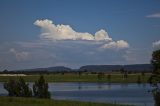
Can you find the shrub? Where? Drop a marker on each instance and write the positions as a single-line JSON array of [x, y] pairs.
[[18, 88], [40, 88]]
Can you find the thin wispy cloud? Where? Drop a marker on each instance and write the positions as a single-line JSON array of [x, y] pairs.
[[155, 15], [20, 56]]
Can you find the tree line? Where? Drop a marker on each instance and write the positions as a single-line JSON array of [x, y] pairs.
[[155, 77], [20, 88]]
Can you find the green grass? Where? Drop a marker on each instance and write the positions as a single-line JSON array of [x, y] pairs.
[[115, 78], [17, 101]]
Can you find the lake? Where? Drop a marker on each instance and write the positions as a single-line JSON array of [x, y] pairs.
[[132, 93]]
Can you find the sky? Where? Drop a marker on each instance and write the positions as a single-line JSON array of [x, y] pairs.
[[73, 33]]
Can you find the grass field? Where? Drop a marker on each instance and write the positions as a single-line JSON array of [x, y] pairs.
[[115, 78], [17, 101]]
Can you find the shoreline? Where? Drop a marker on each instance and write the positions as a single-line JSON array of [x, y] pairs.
[[91, 78], [13, 75]]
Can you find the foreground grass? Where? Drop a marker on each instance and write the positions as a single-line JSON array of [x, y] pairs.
[[115, 78], [17, 101]]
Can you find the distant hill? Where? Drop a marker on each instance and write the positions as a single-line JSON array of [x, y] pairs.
[[59, 68], [92, 68], [138, 67], [49, 69], [100, 67], [104, 68]]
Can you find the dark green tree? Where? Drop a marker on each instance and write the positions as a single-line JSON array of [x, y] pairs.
[[155, 77], [100, 75], [79, 73], [122, 70], [40, 88], [143, 73], [125, 74], [18, 88], [109, 77], [24, 89], [12, 87], [139, 81]]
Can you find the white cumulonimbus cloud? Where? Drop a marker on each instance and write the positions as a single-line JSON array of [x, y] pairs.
[[20, 56], [65, 32], [156, 45], [53, 32]]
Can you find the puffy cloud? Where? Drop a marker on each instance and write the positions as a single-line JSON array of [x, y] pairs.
[[51, 31], [121, 44], [102, 35], [20, 56], [156, 45], [109, 45], [84, 36], [156, 15]]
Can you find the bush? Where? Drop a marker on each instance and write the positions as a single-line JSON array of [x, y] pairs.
[[21, 89], [139, 80], [25, 91], [40, 88], [18, 88], [109, 77], [11, 87], [100, 75]]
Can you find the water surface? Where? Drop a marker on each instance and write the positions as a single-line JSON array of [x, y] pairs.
[[136, 94]]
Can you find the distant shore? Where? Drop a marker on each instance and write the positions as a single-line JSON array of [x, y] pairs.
[[13, 75], [114, 78]]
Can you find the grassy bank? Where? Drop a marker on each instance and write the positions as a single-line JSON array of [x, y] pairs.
[[115, 78], [17, 101]]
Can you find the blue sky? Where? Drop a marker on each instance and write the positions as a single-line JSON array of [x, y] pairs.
[[128, 32]]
